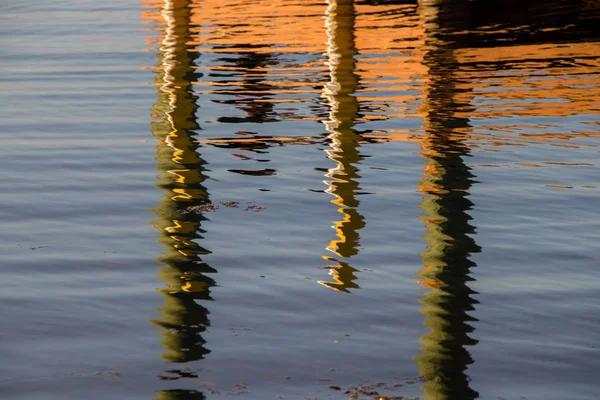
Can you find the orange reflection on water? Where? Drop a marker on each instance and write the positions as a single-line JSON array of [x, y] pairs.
[[359, 64], [180, 177], [342, 182]]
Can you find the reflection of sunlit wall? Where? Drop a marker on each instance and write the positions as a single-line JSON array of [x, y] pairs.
[[297, 26], [390, 41], [180, 177], [532, 63], [449, 246], [529, 86], [386, 35], [343, 109]]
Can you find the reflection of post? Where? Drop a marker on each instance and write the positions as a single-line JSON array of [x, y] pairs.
[[180, 177], [449, 246], [343, 179], [179, 394]]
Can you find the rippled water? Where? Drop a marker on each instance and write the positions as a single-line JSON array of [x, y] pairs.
[[299, 199]]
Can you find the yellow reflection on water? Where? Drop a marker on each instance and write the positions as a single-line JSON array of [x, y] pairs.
[[344, 141], [180, 168], [408, 69]]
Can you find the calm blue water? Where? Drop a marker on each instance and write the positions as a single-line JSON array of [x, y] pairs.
[[206, 199]]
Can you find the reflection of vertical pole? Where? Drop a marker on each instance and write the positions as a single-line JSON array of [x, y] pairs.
[[449, 246], [343, 110], [180, 177], [180, 395]]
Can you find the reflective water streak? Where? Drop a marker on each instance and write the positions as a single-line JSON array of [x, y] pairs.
[[181, 176], [343, 110], [449, 244]]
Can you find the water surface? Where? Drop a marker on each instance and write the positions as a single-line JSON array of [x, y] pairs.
[[207, 199]]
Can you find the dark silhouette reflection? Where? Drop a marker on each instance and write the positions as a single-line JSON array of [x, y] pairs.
[[446, 187], [492, 23], [344, 140], [242, 79], [252, 94], [259, 172], [464, 36], [181, 174]]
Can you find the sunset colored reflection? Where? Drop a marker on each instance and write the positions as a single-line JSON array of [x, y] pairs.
[[517, 79], [273, 199], [343, 109], [371, 73], [181, 174], [445, 190]]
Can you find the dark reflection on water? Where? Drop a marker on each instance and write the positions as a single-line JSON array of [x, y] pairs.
[[259, 172], [463, 23], [449, 239], [252, 93], [184, 317], [179, 395], [449, 26]]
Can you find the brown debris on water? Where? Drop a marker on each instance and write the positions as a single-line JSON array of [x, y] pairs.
[[231, 204], [377, 391], [201, 208], [237, 331], [254, 207], [238, 389], [33, 247], [209, 207]]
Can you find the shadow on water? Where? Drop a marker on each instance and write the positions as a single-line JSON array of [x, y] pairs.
[[344, 141], [184, 316], [446, 186]]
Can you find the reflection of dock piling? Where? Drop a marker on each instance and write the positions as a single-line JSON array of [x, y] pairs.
[[343, 110], [180, 395], [449, 246], [180, 176]]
